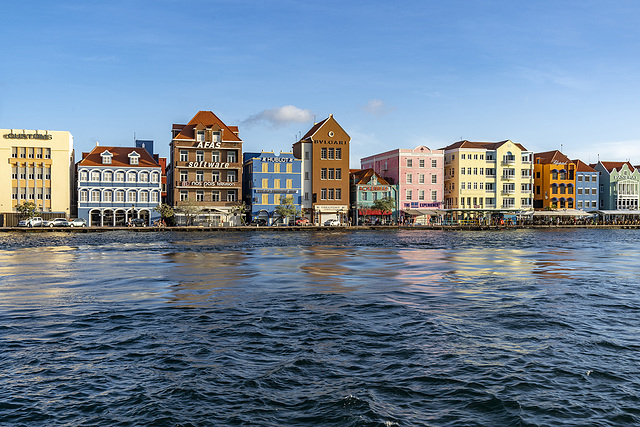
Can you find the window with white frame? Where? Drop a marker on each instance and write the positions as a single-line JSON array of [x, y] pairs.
[[155, 177], [200, 176], [434, 195], [199, 195], [184, 195], [131, 177], [231, 156], [120, 196], [144, 177], [83, 196], [215, 195], [434, 179], [154, 196], [108, 196], [95, 195], [232, 176], [231, 195], [199, 156], [132, 196], [184, 175], [215, 156], [108, 176], [409, 194], [119, 176], [144, 196], [184, 155], [95, 176]]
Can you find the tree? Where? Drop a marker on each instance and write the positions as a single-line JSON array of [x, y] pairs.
[[386, 204], [240, 209], [189, 209], [286, 208], [166, 213], [27, 209]]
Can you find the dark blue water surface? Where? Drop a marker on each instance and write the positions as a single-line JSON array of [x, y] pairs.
[[274, 328]]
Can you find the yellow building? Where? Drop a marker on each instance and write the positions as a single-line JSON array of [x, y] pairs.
[[483, 178], [39, 166]]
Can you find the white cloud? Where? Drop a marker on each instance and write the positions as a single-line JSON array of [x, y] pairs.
[[281, 116], [377, 107]]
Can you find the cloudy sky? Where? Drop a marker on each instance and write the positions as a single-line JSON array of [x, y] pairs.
[[548, 74]]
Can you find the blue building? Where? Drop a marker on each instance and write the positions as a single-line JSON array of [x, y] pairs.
[[268, 179], [587, 183], [116, 184]]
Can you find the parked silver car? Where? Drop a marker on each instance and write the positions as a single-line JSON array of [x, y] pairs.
[[57, 222], [78, 222]]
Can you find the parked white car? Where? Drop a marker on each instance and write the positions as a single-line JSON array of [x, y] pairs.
[[78, 222], [36, 221], [331, 222]]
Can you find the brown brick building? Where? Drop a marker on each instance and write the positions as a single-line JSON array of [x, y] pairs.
[[324, 151], [205, 171]]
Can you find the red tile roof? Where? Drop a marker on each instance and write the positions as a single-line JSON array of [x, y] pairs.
[[582, 166], [120, 157], [553, 156], [363, 176], [480, 145], [207, 119], [610, 166]]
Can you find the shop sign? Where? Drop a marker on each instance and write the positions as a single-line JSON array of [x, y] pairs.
[[374, 188], [204, 144], [324, 141], [203, 164], [27, 136], [207, 184], [277, 159]]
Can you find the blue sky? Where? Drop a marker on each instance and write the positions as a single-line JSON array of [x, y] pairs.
[[394, 74]]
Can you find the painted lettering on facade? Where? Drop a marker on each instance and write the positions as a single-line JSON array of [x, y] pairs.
[[324, 141], [207, 184], [204, 144], [277, 159], [203, 164], [27, 136]]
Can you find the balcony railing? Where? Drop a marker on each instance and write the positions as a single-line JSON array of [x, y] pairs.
[[508, 177], [508, 191], [508, 206], [508, 160], [490, 206]]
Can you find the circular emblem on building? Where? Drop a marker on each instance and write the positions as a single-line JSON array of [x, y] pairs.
[[331, 134]]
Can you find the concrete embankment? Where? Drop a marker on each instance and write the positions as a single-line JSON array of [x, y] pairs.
[[309, 228]]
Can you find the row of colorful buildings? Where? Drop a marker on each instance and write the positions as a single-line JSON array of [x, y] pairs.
[[209, 180]]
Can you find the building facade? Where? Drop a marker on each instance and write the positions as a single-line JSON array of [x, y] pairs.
[[618, 185], [37, 166], [116, 185], [554, 181], [487, 178], [587, 183], [324, 151], [418, 175], [147, 144], [205, 171], [267, 180], [367, 187]]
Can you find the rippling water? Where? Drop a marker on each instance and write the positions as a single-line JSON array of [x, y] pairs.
[[273, 328]]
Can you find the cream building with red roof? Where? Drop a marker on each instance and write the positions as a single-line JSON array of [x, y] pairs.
[[487, 178], [204, 176]]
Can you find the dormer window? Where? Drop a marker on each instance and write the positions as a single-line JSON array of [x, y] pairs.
[[134, 158], [200, 136], [215, 136], [106, 157]]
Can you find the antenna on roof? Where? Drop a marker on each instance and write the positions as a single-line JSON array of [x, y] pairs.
[[134, 136], [561, 147]]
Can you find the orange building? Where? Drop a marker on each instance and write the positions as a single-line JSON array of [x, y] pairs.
[[554, 181]]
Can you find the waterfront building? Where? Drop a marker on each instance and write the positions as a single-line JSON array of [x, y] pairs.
[[419, 176], [485, 180], [618, 185], [205, 171], [36, 166], [116, 185], [367, 187], [147, 144], [587, 183], [554, 181], [269, 178], [324, 151]]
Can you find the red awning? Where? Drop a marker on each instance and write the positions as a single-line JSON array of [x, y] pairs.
[[373, 212]]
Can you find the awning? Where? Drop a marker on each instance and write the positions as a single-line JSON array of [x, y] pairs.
[[421, 212], [617, 212], [563, 212], [373, 212]]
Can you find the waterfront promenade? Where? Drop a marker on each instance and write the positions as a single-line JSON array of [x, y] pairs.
[[452, 227]]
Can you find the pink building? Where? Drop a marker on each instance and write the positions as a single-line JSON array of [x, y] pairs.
[[418, 174]]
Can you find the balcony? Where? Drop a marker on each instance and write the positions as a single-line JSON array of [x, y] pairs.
[[508, 191], [490, 206], [508, 206], [508, 160], [508, 177]]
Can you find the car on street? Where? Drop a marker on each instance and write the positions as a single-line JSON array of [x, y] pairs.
[[302, 221], [57, 222], [35, 221], [138, 222], [78, 222], [331, 222], [258, 221]]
